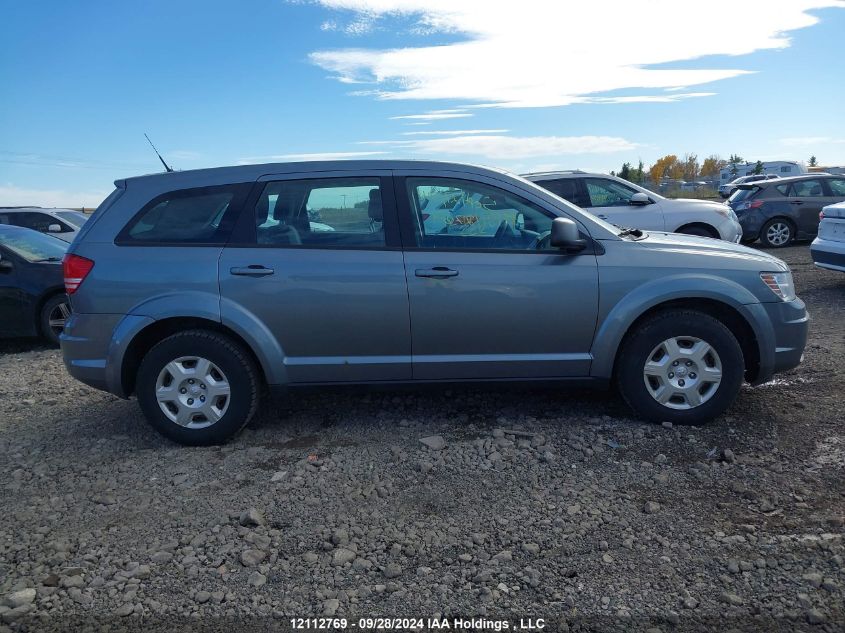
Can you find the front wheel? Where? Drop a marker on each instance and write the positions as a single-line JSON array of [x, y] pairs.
[[699, 231], [680, 366], [198, 387]]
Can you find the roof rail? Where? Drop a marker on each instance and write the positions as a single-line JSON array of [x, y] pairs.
[[555, 171]]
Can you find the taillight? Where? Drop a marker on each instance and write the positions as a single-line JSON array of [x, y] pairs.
[[75, 268], [821, 216], [754, 204]]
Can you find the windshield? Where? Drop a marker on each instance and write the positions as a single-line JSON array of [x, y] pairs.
[[32, 245], [743, 194], [74, 217]]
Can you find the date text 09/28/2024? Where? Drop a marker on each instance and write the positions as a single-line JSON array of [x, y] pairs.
[[404, 624]]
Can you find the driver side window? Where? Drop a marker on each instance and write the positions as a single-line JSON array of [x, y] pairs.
[[608, 193], [461, 214]]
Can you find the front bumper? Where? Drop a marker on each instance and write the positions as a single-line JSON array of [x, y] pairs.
[[751, 224], [730, 231], [828, 254], [790, 324]]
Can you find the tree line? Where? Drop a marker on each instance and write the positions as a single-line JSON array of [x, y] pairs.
[[688, 168]]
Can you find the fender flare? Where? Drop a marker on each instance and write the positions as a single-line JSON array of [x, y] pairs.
[[690, 286]]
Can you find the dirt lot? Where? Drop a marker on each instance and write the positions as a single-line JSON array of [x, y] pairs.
[[330, 504]]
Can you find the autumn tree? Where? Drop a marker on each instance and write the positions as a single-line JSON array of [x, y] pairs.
[[711, 166], [664, 168], [690, 167]]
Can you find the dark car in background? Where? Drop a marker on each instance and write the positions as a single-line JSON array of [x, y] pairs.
[[32, 292], [779, 211], [61, 223]]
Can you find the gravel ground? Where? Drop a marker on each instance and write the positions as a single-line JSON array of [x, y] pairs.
[[440, 504]]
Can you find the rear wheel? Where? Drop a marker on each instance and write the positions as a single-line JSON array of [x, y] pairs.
[[198, 387], [680, 366], [777, 233], [54, 313]]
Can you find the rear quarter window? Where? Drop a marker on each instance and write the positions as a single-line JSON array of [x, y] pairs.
[[204, 215]]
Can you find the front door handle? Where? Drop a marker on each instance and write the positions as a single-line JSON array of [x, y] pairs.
[[795, 202], [254, 270], [438, 272]]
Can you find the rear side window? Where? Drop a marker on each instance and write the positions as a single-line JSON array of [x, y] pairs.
[[566, 188], [807, 189], [322, 212], [837, 186], [189, 216]]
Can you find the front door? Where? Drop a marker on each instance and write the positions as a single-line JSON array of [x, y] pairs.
[[488, 299], [322, 270], [610, 200], [11, 297]]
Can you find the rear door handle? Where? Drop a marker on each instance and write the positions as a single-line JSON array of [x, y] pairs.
[[438, 272], [254, 270], [795, 202]]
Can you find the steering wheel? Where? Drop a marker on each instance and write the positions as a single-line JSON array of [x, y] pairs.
[[541, 241]]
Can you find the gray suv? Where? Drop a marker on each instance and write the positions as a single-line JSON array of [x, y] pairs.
[[194, 290]]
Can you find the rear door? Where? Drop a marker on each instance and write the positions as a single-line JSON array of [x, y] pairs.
[[319, 264], [611, 200], [486, 299], [807, 197], [11, 296]]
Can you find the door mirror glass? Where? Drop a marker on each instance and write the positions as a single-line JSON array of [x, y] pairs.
[[54, 228], [565, 235], [639, 199]]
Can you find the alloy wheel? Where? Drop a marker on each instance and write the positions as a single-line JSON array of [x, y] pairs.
[[778, 233], [58, 316]]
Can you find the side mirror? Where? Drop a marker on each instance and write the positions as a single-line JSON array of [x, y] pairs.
[[5, 264], [54, 228], [639, 199], [565, 235]]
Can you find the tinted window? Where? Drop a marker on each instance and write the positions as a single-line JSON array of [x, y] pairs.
[[785, 169], [73, 217], [461, 214], [743, 194], [38, 221], [837, 186], [566, 188], [608, 193], [783, 189], [193, 216], [807, 188], [331, 212]]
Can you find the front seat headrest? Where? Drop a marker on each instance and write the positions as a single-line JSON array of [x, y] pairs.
[[374, 209]]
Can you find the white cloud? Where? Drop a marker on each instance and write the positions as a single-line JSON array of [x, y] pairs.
[[452, 132], [280, 158], [499, 147], [552, 53], [11, 196], [434, 115]]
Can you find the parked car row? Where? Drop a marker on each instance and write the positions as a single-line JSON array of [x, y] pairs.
[[828, 249], [185, 295], [61, 223], [728, 188], [32, 290]]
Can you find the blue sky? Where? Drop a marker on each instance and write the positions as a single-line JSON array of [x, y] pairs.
[[530, 85]]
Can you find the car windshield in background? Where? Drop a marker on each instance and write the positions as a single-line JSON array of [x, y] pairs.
[[33, 246], [743, 193], [74, 217]]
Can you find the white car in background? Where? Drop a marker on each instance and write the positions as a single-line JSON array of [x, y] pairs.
[[828, 249], [625, 204], [61, 223], [729, 187]]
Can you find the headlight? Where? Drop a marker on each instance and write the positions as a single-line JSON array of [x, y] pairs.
[[781, 284]]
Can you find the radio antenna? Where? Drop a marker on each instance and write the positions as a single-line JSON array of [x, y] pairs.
[[166, 166]]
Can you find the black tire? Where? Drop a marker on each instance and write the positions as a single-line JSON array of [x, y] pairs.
[[232, 360], [748, 241], [772, 225], [640, 343], [699, 230], [51, 320]]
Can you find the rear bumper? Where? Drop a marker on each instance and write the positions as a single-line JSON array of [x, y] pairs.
[[751, 224], [790, 323], [93, 346], [828, 254]]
